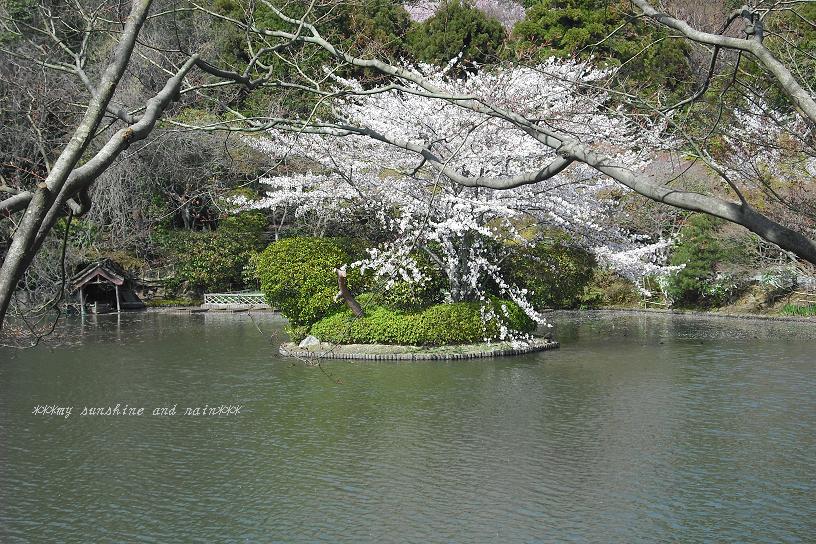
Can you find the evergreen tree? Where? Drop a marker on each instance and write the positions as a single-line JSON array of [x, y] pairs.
[[603, 29], [458, 28]]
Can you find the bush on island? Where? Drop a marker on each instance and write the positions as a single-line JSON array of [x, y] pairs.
[[297, 276], [441, 324]]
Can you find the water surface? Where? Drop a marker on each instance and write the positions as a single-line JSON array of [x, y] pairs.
[[641, 428]]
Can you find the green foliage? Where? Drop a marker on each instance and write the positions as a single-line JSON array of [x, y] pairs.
[[609, 289], [245, 224], [367, 28], [698, 250], [214, 260], [808, 310], [22, 11], [83, 234], [603, 29], [297, 276], [412, 296], [296, 332], [375, 27], [457, 26], [554, 273], [442, 324]]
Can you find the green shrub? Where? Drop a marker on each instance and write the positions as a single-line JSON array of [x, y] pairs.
[[368, 28], [442, 324], [605, 31], [554, 273], [297, 276], [296, 332], [83, 234], [408, 296]]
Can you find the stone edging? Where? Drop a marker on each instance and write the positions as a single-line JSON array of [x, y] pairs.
[[330, 351]]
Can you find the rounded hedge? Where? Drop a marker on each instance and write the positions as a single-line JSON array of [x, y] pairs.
[[442, 324], [297, 277]]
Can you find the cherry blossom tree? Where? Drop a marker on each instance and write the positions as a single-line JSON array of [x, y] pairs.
[[422, 167], [573, 143]]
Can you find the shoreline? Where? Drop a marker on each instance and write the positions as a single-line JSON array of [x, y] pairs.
[[607, 309], [199, 310], [697, 313]]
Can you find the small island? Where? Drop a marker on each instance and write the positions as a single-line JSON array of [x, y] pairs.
[[430, 312]]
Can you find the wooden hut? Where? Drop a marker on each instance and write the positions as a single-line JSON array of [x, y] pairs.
[[105, 286]]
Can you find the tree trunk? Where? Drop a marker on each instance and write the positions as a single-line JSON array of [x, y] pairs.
[[346, 295], [67, 184]]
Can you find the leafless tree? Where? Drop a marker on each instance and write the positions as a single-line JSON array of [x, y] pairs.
[[111, 117], [737, 209]]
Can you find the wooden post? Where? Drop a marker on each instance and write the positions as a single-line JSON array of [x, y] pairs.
[[82, 300], [118, 308]]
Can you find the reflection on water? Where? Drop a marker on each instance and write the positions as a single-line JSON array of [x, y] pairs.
[[642, 428]]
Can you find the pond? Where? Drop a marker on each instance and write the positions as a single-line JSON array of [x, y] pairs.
[[641, 428]]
